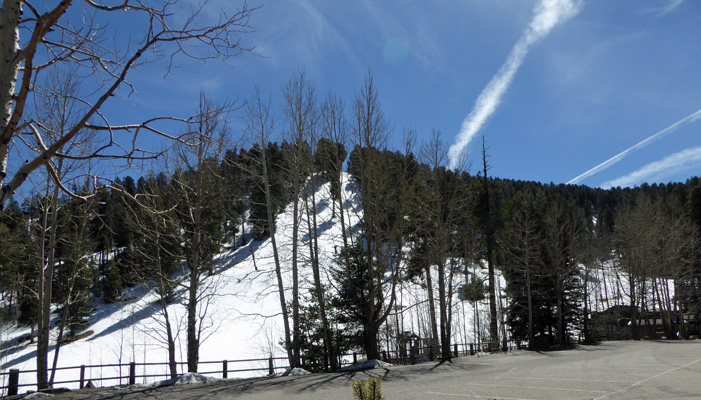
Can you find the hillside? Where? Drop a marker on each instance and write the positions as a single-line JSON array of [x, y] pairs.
[[244, 315], [243, 319]]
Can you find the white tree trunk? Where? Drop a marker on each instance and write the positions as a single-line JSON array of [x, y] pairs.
[[10, 16]]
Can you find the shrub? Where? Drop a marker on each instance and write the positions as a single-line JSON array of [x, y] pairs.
[[370, 390]]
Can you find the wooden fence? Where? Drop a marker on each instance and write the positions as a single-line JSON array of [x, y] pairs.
[[127, 372]]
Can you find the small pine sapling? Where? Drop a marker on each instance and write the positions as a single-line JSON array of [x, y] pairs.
[[374, 390], [359, 390], [370, 390]]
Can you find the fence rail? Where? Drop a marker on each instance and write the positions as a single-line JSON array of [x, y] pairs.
[[410, 356]]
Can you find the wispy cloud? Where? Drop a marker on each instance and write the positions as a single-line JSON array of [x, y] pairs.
[[618, 157], [548, 13], [672, 5], [669, 7], [280, 40], [689, 159]]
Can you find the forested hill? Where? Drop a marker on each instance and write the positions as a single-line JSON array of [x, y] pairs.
[[604, 205], [402, 220]]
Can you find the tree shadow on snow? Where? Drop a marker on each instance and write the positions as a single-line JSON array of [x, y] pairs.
[[234, 257], [134, 317]]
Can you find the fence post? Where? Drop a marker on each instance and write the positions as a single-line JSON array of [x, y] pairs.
[[13, 384], [225, 373], [82, 376], [472, 349], [384, 355], [132, 373], [430, 353], [456, 349], [355, 358], [271, 368]]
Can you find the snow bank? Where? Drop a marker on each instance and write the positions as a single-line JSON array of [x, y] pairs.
[[370, 364], [293, 372], [37, 395], [184, 379]]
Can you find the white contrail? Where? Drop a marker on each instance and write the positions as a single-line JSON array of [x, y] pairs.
[[658, 170], [618, 157], [548, 13]]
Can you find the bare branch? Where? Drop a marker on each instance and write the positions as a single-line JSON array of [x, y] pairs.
[[52, 42]]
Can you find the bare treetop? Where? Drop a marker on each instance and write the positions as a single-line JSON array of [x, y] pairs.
[[103, 42]]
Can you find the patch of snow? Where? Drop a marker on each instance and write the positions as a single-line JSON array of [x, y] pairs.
[[293, 372], [190, 377], [184, 379], [370, 364], [38, 395]]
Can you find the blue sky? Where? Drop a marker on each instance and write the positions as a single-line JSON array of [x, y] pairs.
[[579, 82]]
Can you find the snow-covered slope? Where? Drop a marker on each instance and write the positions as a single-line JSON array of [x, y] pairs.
[[242, 320]]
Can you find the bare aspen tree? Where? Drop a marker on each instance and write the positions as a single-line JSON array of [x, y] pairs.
[[329, 155], [78, 268], [655, 240], [165, 285], [633, 246], [58, 110], [159, 245], [310, 202], [74, 34], [424, 218], [301, 113], [49, 225], [334, 128], [198, 189], [382, 250], [440, 213], [260, 127], [677, 255], [434, 153]]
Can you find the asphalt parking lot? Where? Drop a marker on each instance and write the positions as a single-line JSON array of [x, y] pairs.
[[610, 370]]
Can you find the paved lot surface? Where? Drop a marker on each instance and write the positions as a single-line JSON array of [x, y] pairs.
[[611, 370]]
